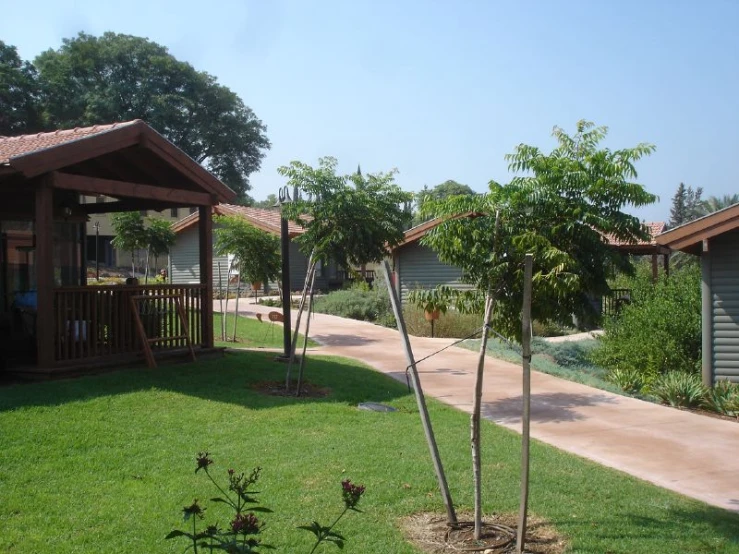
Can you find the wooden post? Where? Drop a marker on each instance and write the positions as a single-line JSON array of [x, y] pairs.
[[666, 261], [286, 297], [205, 231], [451, 516], [706, 316], [655, 268], [43, 227], [526, 420]]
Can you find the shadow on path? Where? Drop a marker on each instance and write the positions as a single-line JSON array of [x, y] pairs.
[[556, 407]]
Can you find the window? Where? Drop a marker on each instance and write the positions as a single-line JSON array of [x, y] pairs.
[[173, 212], [99, 199], [193, 210]]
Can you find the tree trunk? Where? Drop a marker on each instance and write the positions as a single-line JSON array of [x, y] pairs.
[[225, 314], [475, 418], [451, 516], [294, 345], [238, 295], [146, 269], [133, 264], [526, 419], [305, 337]]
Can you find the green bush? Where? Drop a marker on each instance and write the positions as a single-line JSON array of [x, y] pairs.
[[359, 302], [631, 381], [723, 398], [570, 354], [452, 324], [660, 331], [679, 389]]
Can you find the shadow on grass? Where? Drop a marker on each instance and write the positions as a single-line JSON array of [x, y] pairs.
[[553, 407], [227, 379]]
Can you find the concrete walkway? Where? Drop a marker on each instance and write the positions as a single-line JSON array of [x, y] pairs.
[[694, 455]]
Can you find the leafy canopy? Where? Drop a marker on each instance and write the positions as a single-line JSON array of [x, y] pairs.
[[559, 207], [19, 111], [350, 219], [256, 252], [115, 77]]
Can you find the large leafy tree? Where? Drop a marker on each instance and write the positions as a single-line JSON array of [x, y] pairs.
[[117, 77], [19, 94], [560, 207], [441, 191], [130, 234]]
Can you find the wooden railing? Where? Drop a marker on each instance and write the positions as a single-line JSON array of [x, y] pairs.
[[613, 303], [98, 321], [368, 275]]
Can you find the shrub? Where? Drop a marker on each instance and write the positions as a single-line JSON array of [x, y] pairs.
[[679, 389], [359, 302], [567, 354], [631, 381], [550, 329], [660, 328], [723, 398], [452, 324]]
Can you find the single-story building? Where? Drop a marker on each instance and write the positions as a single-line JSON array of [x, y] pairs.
[[715, 238], [183, 256], [50, 319], [417, 266]]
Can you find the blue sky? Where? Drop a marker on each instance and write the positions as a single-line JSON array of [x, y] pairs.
[[443, 90]]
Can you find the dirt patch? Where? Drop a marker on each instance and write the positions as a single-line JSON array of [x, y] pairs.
[[277, 388], [430, 533]]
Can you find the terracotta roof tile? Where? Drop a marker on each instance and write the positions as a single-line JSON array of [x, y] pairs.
[[267, 220], [11, 147], [654, 229]]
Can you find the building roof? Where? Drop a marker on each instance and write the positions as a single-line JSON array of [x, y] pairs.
[[641, 247], [12, 147], [266, 220], [689, 237], [130, 152]]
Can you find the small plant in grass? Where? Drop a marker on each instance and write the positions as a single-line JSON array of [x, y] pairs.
[[679, 389], [241, 534], [723, 398]]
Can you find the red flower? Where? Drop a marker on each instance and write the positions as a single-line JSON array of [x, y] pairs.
[[245, 524], [351, 493]]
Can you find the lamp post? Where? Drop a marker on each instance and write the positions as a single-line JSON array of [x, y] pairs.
[[284, 198], [97, 250]]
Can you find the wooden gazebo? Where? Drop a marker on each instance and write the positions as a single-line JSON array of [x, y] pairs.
[[43, 178]]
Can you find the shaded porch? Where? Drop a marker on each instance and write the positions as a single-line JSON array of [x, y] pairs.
[[60, 319]]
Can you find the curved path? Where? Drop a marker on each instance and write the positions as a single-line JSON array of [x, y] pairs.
[[694, 455]]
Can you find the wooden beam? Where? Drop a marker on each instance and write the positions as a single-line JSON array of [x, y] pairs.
[[205, 235], [122, 189], [44, 223]]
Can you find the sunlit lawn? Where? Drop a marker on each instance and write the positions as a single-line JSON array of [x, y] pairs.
[[251, 333], [104, 464]]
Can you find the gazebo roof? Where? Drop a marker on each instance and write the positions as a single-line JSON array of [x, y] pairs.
[[129, 161]]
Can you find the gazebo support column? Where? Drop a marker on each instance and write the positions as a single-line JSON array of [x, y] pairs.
[[706, 316], [205, 232], [44, 229]]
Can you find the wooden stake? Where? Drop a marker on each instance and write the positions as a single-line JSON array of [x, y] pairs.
[[294, 346], [451, 516], [526, 423], [305, 337], [238, 295], [220, 295]]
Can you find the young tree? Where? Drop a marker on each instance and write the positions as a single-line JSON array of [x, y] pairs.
[[159, 239], [686, 205], [130, 234], [256, 253], [559, 208], [118, 77]]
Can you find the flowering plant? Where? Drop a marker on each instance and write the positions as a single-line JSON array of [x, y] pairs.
[[241, 534]]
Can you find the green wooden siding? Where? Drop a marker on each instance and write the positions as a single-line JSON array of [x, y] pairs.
[[418, 266], [725, 306]]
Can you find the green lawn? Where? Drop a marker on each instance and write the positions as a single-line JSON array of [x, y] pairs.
[[106, 463], [251, 333]]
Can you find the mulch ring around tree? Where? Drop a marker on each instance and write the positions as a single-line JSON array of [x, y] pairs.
[[277, 388], [430, 533]]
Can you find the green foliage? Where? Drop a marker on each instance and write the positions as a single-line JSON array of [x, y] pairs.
[[432, 300], [116, 77], [256, 252], [130, 234], [159, 236], [716, 203], [359, 302], [631, 381], [269, 202], [19, 94], [723, 398], [349, 219], [686, 205], [679, 389], [453, 324], [442, 191], [660, 331], [558, 209]]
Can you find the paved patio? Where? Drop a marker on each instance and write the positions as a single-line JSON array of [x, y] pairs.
[[694, 455]]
